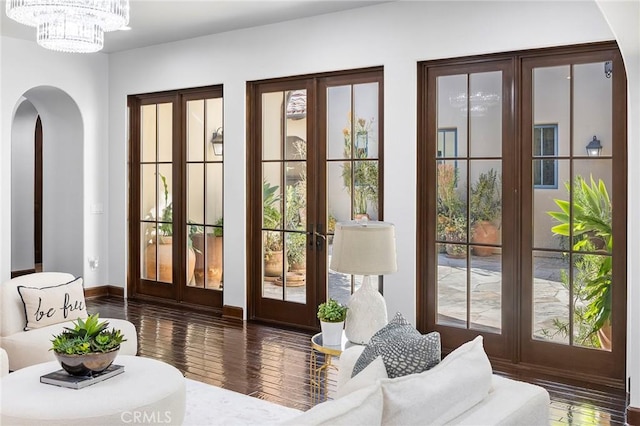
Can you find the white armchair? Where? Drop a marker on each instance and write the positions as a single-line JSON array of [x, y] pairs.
[[25, 348]]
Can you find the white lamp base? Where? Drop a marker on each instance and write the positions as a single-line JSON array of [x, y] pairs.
[[366, 315]]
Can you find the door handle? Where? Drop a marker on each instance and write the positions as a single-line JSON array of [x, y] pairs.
[[316, 238], [320, 238]]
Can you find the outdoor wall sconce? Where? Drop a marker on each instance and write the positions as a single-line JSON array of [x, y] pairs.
[[594, 148], [608, 69], [217, 141]]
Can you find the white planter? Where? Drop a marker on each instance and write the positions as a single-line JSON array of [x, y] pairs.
[[331, 333]]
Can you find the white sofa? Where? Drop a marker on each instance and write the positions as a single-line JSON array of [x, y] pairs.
[[25, 348], [461, 390], [4, 363]]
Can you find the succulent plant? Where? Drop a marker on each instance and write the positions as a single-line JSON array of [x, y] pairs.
[[87, 336]]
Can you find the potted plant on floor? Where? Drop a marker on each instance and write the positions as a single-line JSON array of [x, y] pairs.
[[332, 315], [272, 219], [451, 225], [592, 233], [363, 185], [485, 205], [209, 265], [87, 348], [159, 240]]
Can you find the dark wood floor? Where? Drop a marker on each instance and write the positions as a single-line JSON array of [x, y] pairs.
[[273, 364]]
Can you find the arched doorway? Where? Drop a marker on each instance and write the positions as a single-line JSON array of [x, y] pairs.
[[62, 181]]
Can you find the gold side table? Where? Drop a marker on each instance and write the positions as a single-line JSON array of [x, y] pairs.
[[319, 372]]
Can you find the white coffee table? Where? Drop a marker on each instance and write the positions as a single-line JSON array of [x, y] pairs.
[[148, 392]]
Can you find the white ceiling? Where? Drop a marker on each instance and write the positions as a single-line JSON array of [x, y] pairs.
[[162, 21]]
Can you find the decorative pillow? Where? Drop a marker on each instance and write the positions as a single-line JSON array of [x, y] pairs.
[[439, 395], [369, 376], [362, 407], [403, 349], [52, 305]]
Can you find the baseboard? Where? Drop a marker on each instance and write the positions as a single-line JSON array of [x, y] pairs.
[[568, 377], [232, 312], [633, 416], [105, 290], [22, 272]]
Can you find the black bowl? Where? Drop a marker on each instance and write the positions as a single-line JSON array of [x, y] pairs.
[[86, 364]]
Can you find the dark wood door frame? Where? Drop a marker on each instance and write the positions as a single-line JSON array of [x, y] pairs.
[[37, 205], [281, 312], [137, 287], [515, 358]]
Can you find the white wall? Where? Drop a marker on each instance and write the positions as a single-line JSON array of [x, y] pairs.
[[83, 78], [624, 19], [22, 183], [62, 180], [395, 35]]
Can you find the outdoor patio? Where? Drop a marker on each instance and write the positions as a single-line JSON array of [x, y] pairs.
[[551, 298]]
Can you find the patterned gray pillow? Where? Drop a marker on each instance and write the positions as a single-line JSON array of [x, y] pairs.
[[403, 349]]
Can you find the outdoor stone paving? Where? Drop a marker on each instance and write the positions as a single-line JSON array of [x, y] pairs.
[[551, 297]]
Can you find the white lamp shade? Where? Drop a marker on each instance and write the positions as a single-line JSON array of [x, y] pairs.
[[364, 248]]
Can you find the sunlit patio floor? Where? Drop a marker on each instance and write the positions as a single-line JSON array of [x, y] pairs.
[[551, 298]]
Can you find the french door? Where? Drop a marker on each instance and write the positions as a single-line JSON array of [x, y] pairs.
[[522, 195], [176, 226], [315, 145]]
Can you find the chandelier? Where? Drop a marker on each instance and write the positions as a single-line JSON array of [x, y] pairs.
[[76, 26], [477, 103]]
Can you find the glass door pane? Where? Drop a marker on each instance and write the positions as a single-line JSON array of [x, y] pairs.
[[572, 206], [468, 165], [156, 204], [352, 168], [284, 195], [204, 170]]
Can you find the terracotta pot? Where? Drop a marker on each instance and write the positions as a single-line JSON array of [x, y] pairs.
[[604, 336], [86, 364], [164, 252], [273, 264], [484, 232], [213, 262]]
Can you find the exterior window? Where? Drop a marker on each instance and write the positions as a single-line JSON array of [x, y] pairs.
[[545, 144], [447, 143], [448, 149]]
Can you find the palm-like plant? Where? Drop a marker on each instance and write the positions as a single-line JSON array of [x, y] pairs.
[[591, 231]]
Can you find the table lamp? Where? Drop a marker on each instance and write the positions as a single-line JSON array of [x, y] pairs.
[[364, 248]]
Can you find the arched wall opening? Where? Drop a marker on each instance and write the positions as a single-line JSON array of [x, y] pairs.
[[62, 181]]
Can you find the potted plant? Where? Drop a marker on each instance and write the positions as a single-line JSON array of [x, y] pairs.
[[332, 315], [485, 205], [456, 232], [364, 186], [451, 225], [295, 203], [592, 233], [88, 347], [161, 248], [210, 244], [272, 219]]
